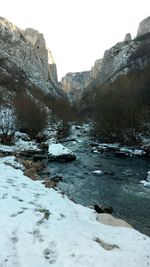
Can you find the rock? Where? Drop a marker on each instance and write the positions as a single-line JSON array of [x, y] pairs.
[[103, 209], [25, 60], [38, 157], [74, 83], [56, 179], [127, 37], [146, 148], [119, 60], [144, 27], [107, 209], [122, 154], [97, 172], [44, 146], [98, 209], [29, 153], [57, 152], [148, 177], [111, 220]]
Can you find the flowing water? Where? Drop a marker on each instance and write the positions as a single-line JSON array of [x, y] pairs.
[[118, 186]]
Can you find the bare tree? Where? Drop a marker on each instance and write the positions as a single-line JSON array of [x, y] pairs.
[[32, 116], [7, 125]]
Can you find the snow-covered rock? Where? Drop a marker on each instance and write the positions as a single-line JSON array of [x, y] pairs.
[[20, 145], [40, 227], [58, 152], [148, 176], [147, 181]]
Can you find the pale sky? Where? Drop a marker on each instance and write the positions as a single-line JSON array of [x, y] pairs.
[[77, 31]]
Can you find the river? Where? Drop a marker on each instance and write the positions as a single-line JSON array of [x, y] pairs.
[[118, 186]]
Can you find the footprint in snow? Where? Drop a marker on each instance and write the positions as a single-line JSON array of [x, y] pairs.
[[50, 253]]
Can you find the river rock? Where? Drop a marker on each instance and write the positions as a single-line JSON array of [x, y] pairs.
[[122, 154], [148, 177], [58, 152], [103, 209], [111, 220], [97, 172]]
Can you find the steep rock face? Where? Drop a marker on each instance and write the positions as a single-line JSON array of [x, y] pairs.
[[144, 27], [95, 71], [26, 49], [130, 54], [73, 84]]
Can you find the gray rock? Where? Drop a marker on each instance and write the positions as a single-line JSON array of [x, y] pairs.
[[125, 56], [74, 83], [144, 27], [128, 37], [25, 51]]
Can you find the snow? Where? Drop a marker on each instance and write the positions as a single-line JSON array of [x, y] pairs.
[[109, 145], [148, 176], [132, 151], [145, 183], [26, 145], [20, 145], [58, 150], [41, 227]]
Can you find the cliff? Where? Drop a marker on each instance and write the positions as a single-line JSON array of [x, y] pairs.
[[118, 60], [74, 83], [25, 52]]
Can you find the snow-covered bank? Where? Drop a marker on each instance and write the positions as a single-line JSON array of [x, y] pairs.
[[40, 226]]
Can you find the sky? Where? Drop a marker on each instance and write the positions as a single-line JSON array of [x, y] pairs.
[[77, 31]]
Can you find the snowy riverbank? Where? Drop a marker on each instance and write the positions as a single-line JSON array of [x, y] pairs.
[[40, 226]]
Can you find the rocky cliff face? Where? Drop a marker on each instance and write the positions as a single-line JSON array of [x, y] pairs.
[[26, 50], [144, 27], [118, 60], [74, 83]]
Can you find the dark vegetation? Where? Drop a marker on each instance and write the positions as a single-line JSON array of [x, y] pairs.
[[121, 109], [31, 115], [34, 109]]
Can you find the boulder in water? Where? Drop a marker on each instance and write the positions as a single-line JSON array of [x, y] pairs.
[[58, 152]]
